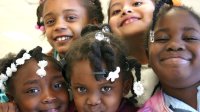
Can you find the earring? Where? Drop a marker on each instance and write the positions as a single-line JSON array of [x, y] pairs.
[[151, 36]]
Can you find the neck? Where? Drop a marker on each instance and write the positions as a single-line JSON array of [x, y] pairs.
[[187, 95], [136, 48]]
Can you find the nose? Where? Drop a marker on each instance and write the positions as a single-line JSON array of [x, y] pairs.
[[48, 97], [127, 10], [61, 24], [94, 99], [176, 45]]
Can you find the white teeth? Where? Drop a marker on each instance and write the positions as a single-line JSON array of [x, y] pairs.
[[62, 38]]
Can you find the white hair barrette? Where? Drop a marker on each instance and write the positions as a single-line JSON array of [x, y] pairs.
[[138, 88], [41, 71], [113, 75], [100, 36]]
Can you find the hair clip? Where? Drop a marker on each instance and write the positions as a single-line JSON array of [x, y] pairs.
[[106, 29], [21, 61], [41, 28], [113, 75], [11, 69], [138, 88], [41, 1], [41, 71], [151, 35], [100, 36], [91, 2]]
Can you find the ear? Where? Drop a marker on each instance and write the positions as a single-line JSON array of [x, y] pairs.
[[127, 86]]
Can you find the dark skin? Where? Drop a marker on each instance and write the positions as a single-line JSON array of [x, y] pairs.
[[42, 94], [175, 55]]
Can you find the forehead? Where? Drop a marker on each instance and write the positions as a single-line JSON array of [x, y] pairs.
[[60, 5], [176, 18], [82, 74], [28, 71]]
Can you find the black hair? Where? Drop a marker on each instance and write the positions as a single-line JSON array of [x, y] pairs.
[[93, 7], [111, 51], [162, 7], [35, 53]]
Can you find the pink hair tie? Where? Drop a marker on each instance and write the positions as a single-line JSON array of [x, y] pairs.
[[41, 28]]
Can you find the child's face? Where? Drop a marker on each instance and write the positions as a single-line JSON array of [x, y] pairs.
[[130, 17], [63, 20], [91, 95], [33, 94], [175, 54]]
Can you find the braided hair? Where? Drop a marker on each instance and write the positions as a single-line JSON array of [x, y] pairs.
[[112, 53], [93, 7], [35, 53]]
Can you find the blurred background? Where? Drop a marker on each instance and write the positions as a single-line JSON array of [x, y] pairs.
[[18, 20]]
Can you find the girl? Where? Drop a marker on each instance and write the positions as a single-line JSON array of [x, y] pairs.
[[174, 55], [34, 82], [130, 19], [99, 72], [63, 20]]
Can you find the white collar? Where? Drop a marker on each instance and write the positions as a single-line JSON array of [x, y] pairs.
[[169, 100]]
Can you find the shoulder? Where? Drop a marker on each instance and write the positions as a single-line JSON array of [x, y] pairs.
[[127, 106], [155, 103]]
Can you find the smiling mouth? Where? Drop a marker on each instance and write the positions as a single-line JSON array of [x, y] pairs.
[[129, 20], [50, 110], [176, 61], [62, 38]]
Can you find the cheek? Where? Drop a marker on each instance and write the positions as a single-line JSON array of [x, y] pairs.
[[30, 104]]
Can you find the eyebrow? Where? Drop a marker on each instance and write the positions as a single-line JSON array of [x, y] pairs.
[[30, 82], [189, 29], [66, 10], [162, 30], [114, 4], [184, 29], [58, 77]]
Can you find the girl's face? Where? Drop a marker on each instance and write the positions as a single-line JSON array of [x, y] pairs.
[[32, 93], [63, 21], [175, 54], [130, 17], [91, 95]]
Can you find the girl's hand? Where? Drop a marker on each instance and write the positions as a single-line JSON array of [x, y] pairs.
[[8, 107]]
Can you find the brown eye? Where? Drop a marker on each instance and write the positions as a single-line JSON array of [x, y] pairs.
[[49, 22], [32, 91], [106, 89], [115, 12], [136, 4], [81, 90], [71, 18]]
